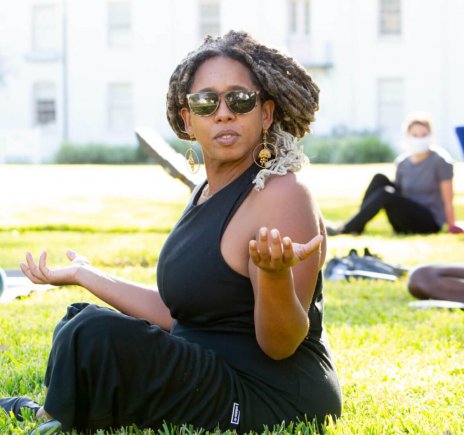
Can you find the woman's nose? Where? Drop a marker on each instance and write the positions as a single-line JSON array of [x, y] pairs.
[[223, 112]]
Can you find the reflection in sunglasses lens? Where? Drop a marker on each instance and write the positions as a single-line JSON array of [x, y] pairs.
[[241, 102], [206, 103]]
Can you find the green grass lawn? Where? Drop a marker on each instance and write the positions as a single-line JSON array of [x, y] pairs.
[[401, 370]]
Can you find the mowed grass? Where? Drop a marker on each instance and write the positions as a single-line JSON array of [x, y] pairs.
[[401, 370]]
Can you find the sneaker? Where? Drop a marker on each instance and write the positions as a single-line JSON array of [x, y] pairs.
[[332, 230], [15, 404], [48, 428]]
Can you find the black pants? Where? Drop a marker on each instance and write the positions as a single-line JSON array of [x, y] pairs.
[[404, 215]]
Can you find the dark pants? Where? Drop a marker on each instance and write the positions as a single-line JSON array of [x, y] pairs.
[[404, 215]]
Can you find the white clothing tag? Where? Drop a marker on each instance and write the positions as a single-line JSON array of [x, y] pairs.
[[235, 418]]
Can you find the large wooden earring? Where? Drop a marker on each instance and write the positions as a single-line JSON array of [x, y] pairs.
[[191, 157], [267, 151]]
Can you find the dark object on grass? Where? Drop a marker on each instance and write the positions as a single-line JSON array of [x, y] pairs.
[[368, 266], [16, 404], [48, 428]]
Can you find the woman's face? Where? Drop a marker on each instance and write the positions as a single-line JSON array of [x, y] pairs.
[[226, 136], [418, 140], [418, 130]]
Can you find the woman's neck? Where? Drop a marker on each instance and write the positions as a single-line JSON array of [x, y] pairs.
[[416, 158], [219, 176]]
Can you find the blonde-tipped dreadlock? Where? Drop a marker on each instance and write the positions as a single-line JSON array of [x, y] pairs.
[[278, 77]]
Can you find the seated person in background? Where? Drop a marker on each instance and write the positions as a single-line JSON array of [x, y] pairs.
[[420, 201], [435, 281]]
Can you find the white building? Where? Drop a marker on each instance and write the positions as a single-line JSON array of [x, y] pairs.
[[90, 71]]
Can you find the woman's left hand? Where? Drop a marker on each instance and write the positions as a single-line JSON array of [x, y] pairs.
[[274, 253]]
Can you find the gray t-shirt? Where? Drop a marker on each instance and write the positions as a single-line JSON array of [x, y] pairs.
[[421, 181]]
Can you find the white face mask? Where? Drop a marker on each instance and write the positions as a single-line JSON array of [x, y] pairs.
[[417, 145]]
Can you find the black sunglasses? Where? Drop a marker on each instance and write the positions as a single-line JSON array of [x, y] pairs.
[[206, 103]]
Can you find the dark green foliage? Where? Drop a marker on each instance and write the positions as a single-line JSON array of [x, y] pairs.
[[362, 148], [101, 154]]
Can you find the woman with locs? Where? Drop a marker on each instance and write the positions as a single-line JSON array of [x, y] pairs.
[[232, 338]]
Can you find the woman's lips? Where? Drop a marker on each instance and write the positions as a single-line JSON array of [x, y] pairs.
[[226, 137]]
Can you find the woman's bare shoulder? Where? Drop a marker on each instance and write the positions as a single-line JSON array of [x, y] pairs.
[[282, 190], [285, 203]]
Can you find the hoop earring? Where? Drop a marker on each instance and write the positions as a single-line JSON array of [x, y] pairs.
[[267, 152], [191, 157]]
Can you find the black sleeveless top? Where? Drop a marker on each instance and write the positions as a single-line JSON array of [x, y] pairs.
[[213, 304]]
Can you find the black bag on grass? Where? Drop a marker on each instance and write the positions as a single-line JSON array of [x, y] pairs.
[[367, 266]]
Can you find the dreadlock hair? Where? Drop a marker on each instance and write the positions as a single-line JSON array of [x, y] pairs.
[[278, 76]]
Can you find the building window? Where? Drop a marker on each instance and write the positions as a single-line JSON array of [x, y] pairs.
[[44, 103], [292, 17], [210, 18], [306, 16], [299, 17], [390, 17], [120, 107], [44, 28], [119, 24], [390, 107]]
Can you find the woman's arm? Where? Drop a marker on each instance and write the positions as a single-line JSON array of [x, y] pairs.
[[284, 270], [134, 299], [446, 189]]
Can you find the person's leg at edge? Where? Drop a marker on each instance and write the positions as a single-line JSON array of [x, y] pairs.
[[445, 282]]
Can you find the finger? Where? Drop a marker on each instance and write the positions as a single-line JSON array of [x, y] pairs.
[[276, 245], [27, 272], [31, 264], [42, 259], [33, 269], [263, 245], [253, 251], [23, 267], [43, 266], [288, 254], [75, 257], [311, 247], [30, 260]]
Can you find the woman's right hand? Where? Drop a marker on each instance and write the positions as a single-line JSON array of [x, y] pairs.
[[41, 274]]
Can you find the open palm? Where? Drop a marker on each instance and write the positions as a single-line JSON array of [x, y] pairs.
[[273, 253], [40, 273]]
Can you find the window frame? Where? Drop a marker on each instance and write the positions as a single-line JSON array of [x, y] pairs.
[[41, 27], [212, 21], [390, 18], [43, 115], [117, 27], [115, 104]]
